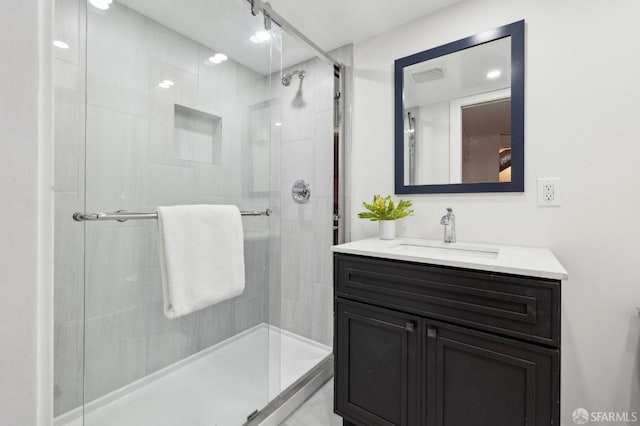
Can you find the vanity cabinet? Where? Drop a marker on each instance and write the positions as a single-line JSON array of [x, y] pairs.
[[421, 344]]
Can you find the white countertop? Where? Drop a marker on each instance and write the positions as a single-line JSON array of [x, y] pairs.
[[528, 261]]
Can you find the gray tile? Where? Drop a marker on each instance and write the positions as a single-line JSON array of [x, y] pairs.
[[67, 140], [321, 329], [256, 266], [322, 240], [323, 154], [214, 324], [116, 147], [67, 82], [68, 259], [156, 322], [68, 367], [162, 109], [344, 54], [316, 411], [218, 84], [117, 261], [171, 185], [170, 340], [172, 48], [249, 312], [66, 28], [112, 367], [296, 318], [298, 260], [324, 86], [110, 329], [117, 60]]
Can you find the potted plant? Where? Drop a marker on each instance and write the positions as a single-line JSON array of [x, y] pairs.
[[386, 212]]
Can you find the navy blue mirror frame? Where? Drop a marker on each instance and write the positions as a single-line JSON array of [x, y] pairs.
[[516, 32]]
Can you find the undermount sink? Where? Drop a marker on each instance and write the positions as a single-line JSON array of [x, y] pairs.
[[450, 249]]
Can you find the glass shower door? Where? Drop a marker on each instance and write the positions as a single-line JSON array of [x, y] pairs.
[[178, 111]]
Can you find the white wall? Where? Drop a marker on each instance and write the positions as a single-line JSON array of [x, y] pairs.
[[25, 216], [582, 82]]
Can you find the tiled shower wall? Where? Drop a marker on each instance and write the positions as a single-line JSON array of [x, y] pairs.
[[133, 164], [306, 152], [69, 189]]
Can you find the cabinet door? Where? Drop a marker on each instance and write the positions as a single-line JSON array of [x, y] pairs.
[[377, 365], [473, 378]]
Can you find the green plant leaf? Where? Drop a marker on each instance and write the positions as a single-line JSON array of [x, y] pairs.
[[385, 209]]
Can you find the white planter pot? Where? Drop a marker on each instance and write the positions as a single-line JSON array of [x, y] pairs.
[[387, 229]]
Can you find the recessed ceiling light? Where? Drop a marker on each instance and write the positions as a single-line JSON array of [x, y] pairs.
[[260, 37], [166, 84], [494, 74], [278, 124], [60, 44], [101, 4], [218, 58]]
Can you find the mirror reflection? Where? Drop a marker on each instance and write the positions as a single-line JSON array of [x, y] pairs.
[[457, 117]]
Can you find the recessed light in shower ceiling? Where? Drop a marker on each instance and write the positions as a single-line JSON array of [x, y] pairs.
[[218, 58], [260, 37], [101, 4]]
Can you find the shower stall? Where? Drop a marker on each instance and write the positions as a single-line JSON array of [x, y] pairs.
[[178, 102]]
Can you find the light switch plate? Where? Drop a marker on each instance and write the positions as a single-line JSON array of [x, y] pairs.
[[549, 192]]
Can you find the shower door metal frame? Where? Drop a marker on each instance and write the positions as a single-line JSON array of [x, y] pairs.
[[280, 408], [271, 16]]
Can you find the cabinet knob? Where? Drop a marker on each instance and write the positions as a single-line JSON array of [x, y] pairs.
[[410, 326], [432, 332]]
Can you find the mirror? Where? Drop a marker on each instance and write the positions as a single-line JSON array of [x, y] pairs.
[[459, 115]]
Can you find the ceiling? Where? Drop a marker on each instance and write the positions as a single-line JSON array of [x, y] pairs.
[[464, 73], [333, 23], [226, 25], [488, 119]]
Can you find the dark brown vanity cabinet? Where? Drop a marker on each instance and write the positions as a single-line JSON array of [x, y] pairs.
[[455, 353]]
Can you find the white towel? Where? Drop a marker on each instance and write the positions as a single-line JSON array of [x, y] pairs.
[[201, 256]]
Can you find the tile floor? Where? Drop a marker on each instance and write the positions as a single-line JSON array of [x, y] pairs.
[[316, 411]]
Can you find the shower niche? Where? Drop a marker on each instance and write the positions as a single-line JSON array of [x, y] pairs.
[[197, 135]]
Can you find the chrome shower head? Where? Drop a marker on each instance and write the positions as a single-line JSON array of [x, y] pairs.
[[286, 79]]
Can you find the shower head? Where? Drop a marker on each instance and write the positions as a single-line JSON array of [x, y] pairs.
[[286, 79]]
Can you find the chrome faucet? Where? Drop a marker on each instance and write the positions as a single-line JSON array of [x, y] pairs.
[[449, 222]]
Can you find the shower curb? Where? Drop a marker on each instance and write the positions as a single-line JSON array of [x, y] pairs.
[[295, 395]]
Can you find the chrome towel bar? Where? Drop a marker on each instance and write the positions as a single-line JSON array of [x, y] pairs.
[[123, 215]]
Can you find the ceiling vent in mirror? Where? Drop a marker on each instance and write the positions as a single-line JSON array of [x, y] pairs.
[[426, 76]]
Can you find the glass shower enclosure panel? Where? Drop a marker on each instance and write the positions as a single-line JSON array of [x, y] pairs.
[[179, 111]]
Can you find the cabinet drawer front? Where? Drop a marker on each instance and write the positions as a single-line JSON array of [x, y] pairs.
[[377, 365], [524, 307]]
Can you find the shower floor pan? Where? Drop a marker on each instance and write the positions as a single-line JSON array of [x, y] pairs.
[[219, 386]]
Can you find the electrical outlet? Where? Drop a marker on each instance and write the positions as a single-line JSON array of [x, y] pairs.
[[548, 192]]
